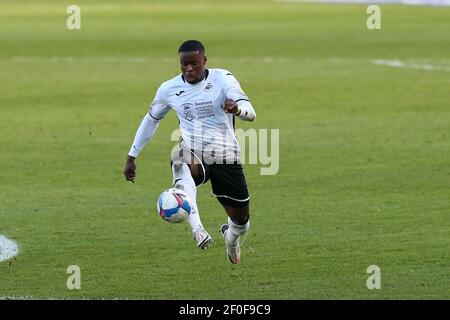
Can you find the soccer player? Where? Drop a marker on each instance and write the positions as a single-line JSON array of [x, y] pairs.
[[206, 102]]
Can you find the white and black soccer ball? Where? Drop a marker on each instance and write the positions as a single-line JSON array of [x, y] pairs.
[[174, 205]]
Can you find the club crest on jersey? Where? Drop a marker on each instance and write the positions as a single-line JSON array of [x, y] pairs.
[[187, 107], [208, 87]]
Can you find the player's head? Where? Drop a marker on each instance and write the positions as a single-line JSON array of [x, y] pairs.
[[192, 60]]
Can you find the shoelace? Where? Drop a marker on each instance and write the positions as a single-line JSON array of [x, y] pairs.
[[245, 238]]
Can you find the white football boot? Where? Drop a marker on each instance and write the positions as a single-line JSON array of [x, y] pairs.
[[202, 238], [233, 250]]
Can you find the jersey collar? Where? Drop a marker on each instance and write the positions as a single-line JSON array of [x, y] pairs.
[[206, 77]]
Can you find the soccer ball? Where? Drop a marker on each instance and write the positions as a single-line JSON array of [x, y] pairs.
[[174, 205]]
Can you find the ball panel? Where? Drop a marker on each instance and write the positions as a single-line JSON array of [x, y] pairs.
[[186, 206]]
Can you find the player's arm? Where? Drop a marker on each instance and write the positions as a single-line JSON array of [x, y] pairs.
[[143, 135], [240, 108], [145, 132], [237, 101]]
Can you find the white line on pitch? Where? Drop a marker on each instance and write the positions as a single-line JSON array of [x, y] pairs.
[[365, 2], [421, 66]]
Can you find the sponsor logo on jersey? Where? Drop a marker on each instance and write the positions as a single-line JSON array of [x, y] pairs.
[[187, 108], [204, 109], [208, 87], [178, 93]]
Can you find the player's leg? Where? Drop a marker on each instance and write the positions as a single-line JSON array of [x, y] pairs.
[[187, 174], [230, 188], [239, 215], [238, 224]]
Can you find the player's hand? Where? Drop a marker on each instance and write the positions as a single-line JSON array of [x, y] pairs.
[[130, 169], [230, 106]]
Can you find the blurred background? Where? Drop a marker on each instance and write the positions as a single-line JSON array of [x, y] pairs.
[[364, 149]]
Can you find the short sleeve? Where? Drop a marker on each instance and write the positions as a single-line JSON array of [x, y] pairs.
[[232, 88], [159, 106]]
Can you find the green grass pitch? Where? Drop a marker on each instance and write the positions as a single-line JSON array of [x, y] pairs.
[[364, 173]]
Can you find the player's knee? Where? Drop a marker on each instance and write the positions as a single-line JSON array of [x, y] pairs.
[[177, 165], [181, 166], [239, 215], [178, 160], [177, 156]]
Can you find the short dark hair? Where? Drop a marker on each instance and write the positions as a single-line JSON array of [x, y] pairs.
[[191, 45]]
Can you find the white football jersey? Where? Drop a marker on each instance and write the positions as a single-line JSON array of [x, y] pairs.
[[204, 124]]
